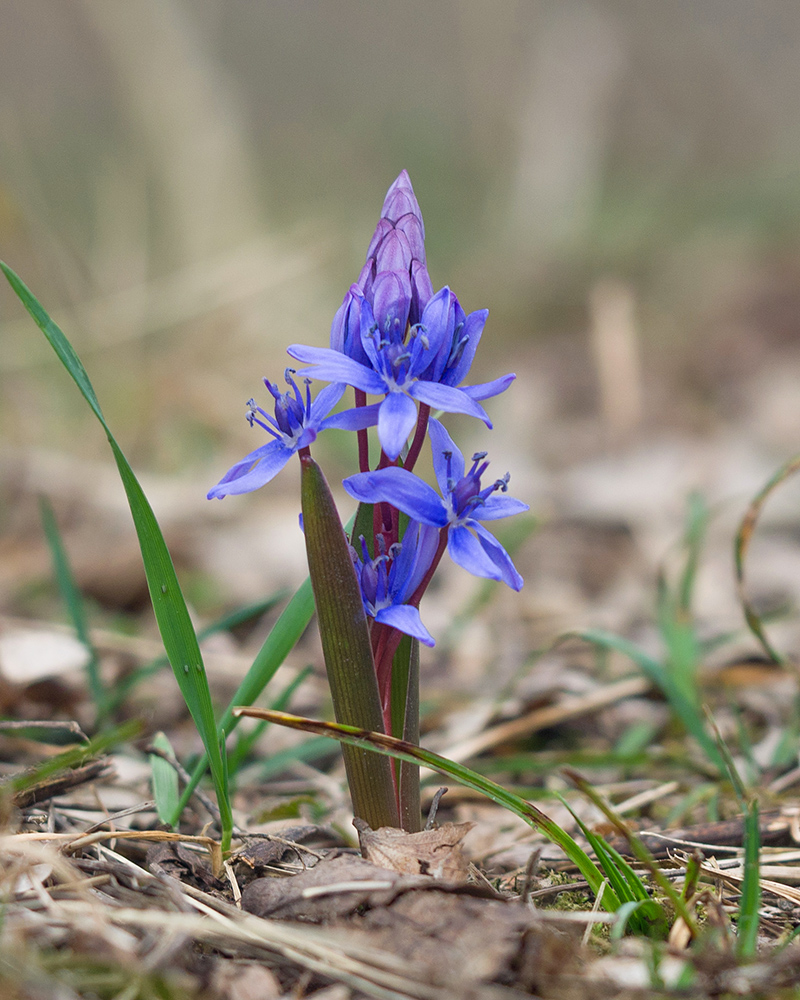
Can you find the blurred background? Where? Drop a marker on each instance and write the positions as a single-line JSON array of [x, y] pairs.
[[190, 185]]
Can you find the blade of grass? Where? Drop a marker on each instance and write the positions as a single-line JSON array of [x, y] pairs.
[[282, 638], [638, 849], [73, 600], [172, 615], [655, 672], [741, 547], [747, 924], [73, 757], [401, 750], [224, 624], [647, 919], [164, 777], [245, 744]]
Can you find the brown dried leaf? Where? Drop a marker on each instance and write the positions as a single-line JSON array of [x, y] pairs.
[[328, 890], [183, 864], [430, 852]]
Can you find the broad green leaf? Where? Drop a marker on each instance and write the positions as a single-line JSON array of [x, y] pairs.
[[345, 645]]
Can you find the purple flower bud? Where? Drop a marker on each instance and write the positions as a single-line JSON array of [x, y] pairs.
[[394, 279]]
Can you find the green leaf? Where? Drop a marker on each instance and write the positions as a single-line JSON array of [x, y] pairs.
[[164, 777], [75, 608], [405, 725], [345, 645], [682, 706], [282, 638], [747, 924], [172, 615], [742, 546], [228, 621], [246, 743], [637, 846]]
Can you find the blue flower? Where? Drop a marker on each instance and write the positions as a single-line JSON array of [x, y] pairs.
[[390, 579], [463, 504], [296, 423], [401, 367]]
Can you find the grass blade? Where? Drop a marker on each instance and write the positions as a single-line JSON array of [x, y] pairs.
[[747, 924], [683, 707], [75, 608], [638, 849], [169, 606], [282, 638], [124, 687], [741, 547], [164, 777], [245, 744]]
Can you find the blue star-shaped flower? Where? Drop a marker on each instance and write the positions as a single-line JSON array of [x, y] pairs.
[[296, 423], [463, 504], [406, 369], [390, 580]]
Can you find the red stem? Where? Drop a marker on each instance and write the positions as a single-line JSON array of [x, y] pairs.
[[363, 437], [419, 437]]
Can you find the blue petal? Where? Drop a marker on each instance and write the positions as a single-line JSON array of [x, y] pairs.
[[253, 471], [325, 401], [417, 550], [499, 556], [495, 507], [485, 390], [440, 443], [335, 367], [467, 551], [405, 619], [368, 326], [396, 421], [445, 397], [403, 490], [472, 330], [353, 420], [438, 322]]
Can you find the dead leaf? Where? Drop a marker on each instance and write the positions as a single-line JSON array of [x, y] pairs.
[[183, 864], [336, 887], [430, 852]]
